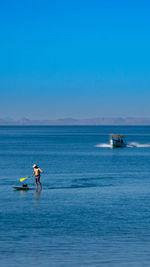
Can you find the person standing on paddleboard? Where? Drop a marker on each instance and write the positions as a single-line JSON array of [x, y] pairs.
[[37, 172]]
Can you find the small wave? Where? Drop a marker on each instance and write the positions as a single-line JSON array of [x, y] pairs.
[[82, 186], [103, 145]]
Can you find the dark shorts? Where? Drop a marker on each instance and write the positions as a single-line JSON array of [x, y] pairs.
[[37, 178]]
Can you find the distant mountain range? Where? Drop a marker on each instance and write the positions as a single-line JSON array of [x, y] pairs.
[[71, 121]]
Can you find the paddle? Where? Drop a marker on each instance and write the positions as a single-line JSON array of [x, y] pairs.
[[22, 179]]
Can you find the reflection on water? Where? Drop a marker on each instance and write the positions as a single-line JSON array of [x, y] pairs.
[[37, 193]]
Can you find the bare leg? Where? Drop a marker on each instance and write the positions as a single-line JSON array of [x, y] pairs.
[[36, 185], [40, 185]]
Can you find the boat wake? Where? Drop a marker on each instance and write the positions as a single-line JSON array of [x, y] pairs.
[[131, 144], [103, 145], [135, 144]]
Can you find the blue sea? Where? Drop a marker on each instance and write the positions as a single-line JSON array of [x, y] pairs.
[[94, 208]]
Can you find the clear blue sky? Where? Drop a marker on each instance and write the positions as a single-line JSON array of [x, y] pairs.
[[74, 58]]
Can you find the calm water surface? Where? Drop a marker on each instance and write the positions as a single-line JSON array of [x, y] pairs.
[[94, 209]]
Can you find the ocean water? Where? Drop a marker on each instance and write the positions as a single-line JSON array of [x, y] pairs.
[[94, 208]]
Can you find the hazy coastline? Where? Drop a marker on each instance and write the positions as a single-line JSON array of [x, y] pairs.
[[78, 122]]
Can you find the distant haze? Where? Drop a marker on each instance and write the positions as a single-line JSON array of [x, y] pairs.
[[71, 121]]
